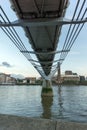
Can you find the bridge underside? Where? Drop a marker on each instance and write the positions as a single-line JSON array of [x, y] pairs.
[[43, 39], [42, 22]]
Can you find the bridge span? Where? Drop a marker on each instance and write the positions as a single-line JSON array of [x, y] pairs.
[[42, 21]]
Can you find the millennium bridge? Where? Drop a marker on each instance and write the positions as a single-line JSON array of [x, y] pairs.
[[42, 21]]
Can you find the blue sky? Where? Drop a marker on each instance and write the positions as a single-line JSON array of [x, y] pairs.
[[12, 61]]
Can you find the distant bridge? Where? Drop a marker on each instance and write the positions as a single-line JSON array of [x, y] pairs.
[[42, 21]]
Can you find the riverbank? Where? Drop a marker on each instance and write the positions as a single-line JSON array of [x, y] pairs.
[[72, 83], [8, 122]]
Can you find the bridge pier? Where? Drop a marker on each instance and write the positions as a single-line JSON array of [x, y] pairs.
[[47, 88]]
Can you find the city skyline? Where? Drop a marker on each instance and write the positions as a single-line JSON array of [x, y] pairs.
[[20, 76], [13, 62]]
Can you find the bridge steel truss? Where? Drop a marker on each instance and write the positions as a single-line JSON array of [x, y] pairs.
[[46, 68]]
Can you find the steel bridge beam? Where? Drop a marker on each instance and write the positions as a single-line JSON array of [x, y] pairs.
[[45, 52], [45, 62], [42, 22]]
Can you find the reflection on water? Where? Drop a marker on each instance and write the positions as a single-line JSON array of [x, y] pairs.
[[47, 104], [60, 101], [68, 102]]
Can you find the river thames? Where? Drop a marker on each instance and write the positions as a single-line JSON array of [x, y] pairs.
[[69, 103]]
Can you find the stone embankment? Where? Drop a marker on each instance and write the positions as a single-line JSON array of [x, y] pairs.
[[8, 122]]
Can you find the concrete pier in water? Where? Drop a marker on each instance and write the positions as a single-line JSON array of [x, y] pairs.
[[8, 122], [47, 88]]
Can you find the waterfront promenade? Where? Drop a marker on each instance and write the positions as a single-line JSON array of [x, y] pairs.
[[8, 122]]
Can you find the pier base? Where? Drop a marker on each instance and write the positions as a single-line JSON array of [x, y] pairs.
[[47, 88]]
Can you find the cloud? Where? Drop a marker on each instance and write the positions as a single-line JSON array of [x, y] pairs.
[[17, 76], [6, 64]]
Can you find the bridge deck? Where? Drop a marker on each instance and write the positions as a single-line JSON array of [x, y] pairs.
[[42, 22], [42, 38]]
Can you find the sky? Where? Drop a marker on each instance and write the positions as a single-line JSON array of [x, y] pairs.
[[13, 62]]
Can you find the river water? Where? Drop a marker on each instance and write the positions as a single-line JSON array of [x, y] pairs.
[[68, 103]]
